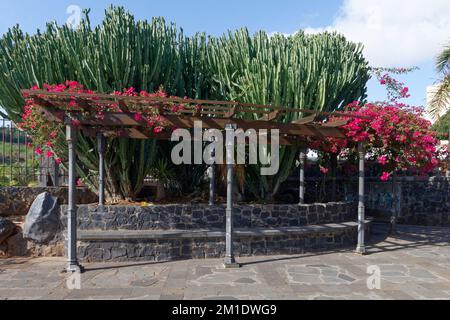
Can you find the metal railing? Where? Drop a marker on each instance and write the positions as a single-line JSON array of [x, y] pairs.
[[20, 165]]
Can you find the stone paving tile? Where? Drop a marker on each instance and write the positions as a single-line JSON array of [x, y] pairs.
[[99, 294], [23, 294], [413, 266]]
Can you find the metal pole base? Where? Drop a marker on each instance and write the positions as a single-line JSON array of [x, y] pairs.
[[361, 250], [230, 263], [74, 268], [393, 229]]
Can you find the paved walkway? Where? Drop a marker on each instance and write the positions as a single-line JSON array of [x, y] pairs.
[[415, 264]]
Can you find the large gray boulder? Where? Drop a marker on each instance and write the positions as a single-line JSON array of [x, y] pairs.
[[42, 223], [7, 228]]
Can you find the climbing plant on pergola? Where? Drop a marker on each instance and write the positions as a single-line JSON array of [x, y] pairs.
[[75, 111]]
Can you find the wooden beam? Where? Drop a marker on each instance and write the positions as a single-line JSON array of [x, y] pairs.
[[196, 111], [112, 119], [160, 110], [85, 104], [218, 123], [336, 124], [54, 115], [231, 112], [90, 131], [305, 120], [272, 116], [321, 131], [43, 103], [134, 133], [122, 105]]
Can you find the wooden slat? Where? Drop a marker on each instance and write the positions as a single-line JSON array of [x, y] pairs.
[[231, 112], [112, 119], [272, 116], [305, 120], [85, 104], [336, 124], [43, 103], [325, 132], [51, 114], [123, 105], [90, 131], [136, 134]]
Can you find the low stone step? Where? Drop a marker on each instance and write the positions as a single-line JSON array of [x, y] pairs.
[[158, 245], [118, 235]]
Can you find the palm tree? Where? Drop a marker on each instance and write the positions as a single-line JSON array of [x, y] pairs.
[[441, 99]]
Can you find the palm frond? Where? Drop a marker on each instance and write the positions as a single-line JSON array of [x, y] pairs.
[[441, 99], [443, 60]]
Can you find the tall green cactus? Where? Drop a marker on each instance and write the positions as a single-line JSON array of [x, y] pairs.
[[323, 72]]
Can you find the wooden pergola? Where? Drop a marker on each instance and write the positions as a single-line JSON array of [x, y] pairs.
[[222, 115]]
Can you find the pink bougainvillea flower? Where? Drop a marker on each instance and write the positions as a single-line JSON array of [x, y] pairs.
[[39, 151], [100, 115], [58, 161], [79, 182], [429, 139], [73, 84], [158, 130], [49, 144], [49, 154], [385, 176], [53, 135], [130, 91], [334, 149], [138, 117], [324, 170], [382, 160]]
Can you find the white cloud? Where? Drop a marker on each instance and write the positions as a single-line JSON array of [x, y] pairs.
[[394, 32]]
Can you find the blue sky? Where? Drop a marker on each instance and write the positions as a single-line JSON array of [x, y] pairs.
[[395, 33]]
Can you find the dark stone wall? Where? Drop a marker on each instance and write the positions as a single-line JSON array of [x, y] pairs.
[[191, 217], [423, 201], [206, 248], [16, 201]]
